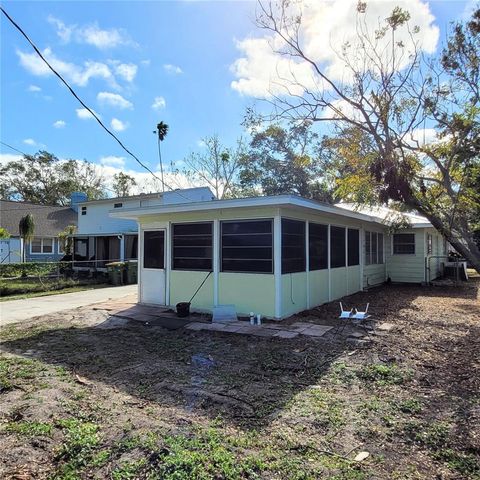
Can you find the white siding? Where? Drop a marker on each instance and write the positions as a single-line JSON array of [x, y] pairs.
[[408, 268]]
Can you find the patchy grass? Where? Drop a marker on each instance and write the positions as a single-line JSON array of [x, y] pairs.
[[138, 402]]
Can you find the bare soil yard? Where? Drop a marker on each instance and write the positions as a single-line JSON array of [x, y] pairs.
[[84, 399]]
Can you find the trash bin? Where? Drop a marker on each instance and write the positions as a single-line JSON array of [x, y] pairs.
[[115, 272], [131, 272]]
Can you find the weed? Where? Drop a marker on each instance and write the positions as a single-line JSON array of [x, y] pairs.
[[15, 368], [30, 429], [411, 405], [381, 374], [129, 470]]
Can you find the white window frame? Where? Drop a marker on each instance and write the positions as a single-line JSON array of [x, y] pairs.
[[414, 244], [380, 258], [41, 246]]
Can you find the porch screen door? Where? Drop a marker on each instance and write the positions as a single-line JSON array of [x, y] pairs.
[[152, 278]]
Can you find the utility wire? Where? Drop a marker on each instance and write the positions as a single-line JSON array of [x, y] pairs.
[[39, 53], [13, 148]]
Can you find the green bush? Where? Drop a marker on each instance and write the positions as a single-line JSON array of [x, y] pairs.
[[9, 270]]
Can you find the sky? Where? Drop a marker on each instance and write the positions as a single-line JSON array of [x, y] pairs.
[[196, 65]]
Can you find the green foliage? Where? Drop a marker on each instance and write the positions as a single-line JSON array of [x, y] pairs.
[[123, 184], [162, 130], [30, 429], [66, 239], [11, 270], [13, 369], [285, 160], [411, 405], [4, 235], [44, 179], [381, 374], [31, 285]]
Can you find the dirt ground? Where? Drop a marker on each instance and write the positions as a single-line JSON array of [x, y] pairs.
[[83, 395]]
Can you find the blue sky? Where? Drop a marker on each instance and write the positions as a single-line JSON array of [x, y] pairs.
[[120, 57]]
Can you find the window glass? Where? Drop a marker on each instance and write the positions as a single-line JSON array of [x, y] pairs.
[[318, 246], [368, 248], [293, 246], [353, 247], [404, 243], [429, 244], [37, 245], [118, 205], [47, 245], [374, 251], [380, 248], [154, 249], [84, 210], [337, 247], [192, 246], [247, 246]]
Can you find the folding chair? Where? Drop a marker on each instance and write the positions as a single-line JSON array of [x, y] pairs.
[[345, 313], [361, 315]]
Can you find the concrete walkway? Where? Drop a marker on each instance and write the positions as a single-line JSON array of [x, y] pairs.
[[14, 311]]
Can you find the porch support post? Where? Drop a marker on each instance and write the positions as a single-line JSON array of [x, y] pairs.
[[361, 237], [216, 260], [277, 263], [307, 261], [329, 266], [122, 247]]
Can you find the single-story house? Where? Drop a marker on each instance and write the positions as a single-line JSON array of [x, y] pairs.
[[101, 238], [49, 222], [275, 256]]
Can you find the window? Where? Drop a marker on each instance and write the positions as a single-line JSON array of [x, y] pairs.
[[131, 247], [41, 245], [404, 244], [337, 247], [84, 210], [192, 246], [117, 205], [154, 249], [247, 246], [317, 246], [293, 246], [373, 248], [429, 244], [353, 247]]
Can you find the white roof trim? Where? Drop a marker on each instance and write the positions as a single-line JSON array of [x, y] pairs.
[[274, 201]]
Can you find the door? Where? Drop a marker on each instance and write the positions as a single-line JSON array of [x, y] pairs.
[[152, 275]]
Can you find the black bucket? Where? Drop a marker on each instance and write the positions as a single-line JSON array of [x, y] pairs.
[[183, 309]]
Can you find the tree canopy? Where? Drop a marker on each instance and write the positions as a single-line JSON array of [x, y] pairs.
[[43, 178]]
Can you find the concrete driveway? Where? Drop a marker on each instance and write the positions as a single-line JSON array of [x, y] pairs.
[[14, 311]]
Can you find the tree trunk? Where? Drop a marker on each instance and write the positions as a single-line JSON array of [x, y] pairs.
[[465, 245]]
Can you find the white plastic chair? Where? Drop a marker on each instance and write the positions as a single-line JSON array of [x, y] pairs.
[[361, 315], [345, 313]]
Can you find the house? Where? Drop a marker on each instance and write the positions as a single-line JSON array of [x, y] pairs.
[[273, 255], [101, 238], [49, 222]]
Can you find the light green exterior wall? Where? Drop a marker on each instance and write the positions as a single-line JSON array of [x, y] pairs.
[[318, 280], [407, 268], [294, 293], [298, 291], [183, 286], [249, 292]]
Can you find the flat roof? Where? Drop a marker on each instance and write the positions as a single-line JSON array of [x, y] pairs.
[[267, 201]]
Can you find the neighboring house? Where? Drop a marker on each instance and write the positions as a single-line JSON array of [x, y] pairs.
[[272, 255], [49, 222], [101, 239]]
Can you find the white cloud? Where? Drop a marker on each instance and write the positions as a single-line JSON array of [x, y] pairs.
[[59, 124], [146, 63], [118, 125], [30, 141], [159, 103], [172, 69], [127, 71], [84, 114], [90, 34], [34, 88], [78, 75], [326, 27], [113, 161], [114, 100]]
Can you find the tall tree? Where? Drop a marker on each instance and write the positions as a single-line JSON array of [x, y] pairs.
[[285, 160], [26, 228], [216, 166], [123, 184], [161, 131], [65, 238], [389, 90], [43, 178]]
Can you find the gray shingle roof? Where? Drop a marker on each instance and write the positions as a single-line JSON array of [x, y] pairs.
[[49, 220]]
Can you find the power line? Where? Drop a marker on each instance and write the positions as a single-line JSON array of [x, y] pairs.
[[13, 148], [39, 53]]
